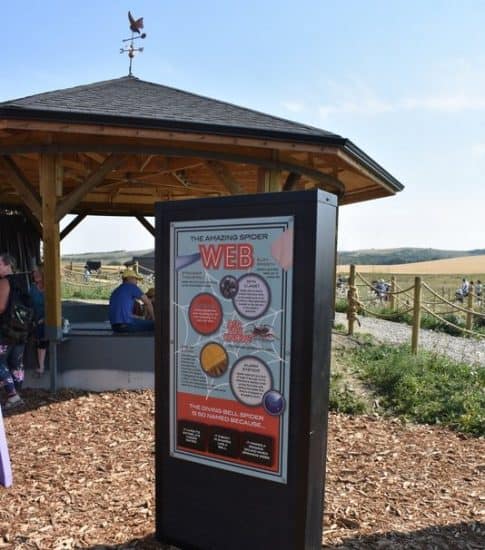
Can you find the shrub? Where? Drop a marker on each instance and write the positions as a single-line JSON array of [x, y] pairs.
[[425, 387], [343, 398], [341, 305]]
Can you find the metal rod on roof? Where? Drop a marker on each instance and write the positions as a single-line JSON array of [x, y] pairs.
[[135, 26]]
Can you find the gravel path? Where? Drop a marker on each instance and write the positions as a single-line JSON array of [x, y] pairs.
[[467, 350]]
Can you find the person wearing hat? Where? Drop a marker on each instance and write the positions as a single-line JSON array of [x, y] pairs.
[[121, 305]]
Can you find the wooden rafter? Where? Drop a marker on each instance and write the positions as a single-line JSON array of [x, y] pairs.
[[22, 185], [181, 177], [146, 224], [325, 180], [224, 175], [73, 199], [72, 224], [291, 181]]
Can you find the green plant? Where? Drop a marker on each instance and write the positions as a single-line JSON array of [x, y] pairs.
[[340, 327], [70, 291], [385, 312], [343, 398], [341, 305], [426, 387]]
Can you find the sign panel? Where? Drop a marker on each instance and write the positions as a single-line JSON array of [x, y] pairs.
[[230, 341]]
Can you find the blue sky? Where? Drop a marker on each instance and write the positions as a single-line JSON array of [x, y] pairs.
[[404, 80]]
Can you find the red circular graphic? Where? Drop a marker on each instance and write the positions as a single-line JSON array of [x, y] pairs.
[[205, 313]]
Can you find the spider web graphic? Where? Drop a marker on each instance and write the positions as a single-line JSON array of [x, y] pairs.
[[267, 348]]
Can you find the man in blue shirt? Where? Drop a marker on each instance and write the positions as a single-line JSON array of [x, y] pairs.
[[122, 302]]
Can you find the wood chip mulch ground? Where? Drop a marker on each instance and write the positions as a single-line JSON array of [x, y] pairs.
[[84, 478]]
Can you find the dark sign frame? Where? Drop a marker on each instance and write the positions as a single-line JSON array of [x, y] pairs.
[[201, 507]]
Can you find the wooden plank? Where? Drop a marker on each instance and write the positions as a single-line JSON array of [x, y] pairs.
[[146, 162], [22, 185], [224, 175], [47, 178], [106, 130], [75, 197]]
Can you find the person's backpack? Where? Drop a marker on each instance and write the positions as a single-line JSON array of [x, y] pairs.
[[18, 319]]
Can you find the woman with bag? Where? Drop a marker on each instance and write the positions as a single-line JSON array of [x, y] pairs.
[[11, 352]]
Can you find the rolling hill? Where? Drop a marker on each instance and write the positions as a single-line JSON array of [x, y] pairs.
[[395, 256], [391, 260], [461, 266]]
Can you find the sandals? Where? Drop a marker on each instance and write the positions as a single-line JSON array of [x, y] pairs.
[[39, 372]]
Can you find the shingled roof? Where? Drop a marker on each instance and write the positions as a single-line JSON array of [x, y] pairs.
[[131, 101]]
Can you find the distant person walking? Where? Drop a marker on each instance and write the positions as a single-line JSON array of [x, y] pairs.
[[478, 291], [122, 305], [11, 353], [465, 287]]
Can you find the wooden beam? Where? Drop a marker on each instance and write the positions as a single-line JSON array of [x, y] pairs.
[[75, 197], [146, 224], [21, 184], [291, 181], [225, 177], [327, 181], [72, 224], [146, 162], [182, 178], [171, 135], [52, 271]]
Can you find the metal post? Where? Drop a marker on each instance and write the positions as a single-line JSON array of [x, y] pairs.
[[416, 315]]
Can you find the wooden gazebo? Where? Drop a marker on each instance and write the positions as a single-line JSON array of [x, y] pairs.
[[119, 146]]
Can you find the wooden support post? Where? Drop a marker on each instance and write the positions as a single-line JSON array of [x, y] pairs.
[[469, 315], [48, 177], [392, 297], [272, 181], [351, 305], [417, 315]]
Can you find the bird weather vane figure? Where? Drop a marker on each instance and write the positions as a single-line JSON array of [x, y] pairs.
[[135, 26]]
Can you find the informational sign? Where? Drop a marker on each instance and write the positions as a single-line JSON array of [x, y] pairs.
[[230, 340]]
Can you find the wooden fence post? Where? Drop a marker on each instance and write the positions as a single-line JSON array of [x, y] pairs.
[[351, 305], [392, 297], [469, 315], [416, 315]]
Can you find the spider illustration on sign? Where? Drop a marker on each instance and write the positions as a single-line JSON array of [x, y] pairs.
[[264, 332]]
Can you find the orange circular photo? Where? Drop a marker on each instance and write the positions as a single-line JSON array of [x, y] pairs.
[[205, 313], [214, 359]]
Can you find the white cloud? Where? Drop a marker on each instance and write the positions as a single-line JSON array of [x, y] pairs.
[[456, 86], [376, 106]]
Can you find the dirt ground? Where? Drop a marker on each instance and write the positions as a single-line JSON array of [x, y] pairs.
[[84, 478]]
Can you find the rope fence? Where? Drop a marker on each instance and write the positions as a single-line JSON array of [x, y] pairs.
[[393, 296]]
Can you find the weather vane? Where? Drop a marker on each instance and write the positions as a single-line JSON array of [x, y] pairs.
[[135, 26]]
